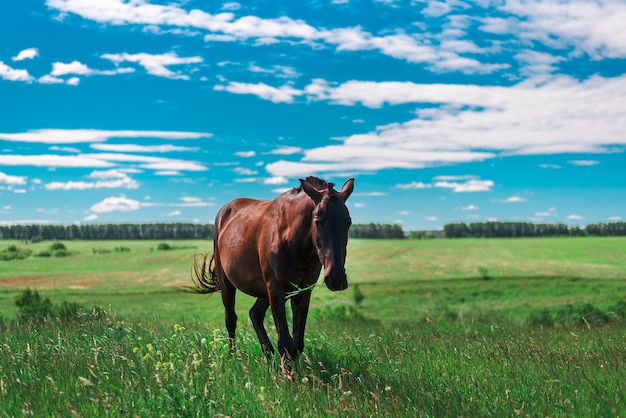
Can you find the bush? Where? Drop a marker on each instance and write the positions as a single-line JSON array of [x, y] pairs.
[[580, 315], [619, 309], [31, 307], [44, 253], [164, 246], [57, 246], [14, 253], [540, 318]]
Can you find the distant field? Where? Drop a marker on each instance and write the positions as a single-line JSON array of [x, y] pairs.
[[471, 275]]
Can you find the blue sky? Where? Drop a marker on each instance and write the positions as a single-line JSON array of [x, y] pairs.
[[443, 111]]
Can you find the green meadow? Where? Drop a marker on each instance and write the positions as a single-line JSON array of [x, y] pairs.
[[467, 327]]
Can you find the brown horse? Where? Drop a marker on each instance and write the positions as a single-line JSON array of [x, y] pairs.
[[268, 249]]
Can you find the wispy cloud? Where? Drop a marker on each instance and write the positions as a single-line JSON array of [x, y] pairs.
[[156, 64], [110, 179], [142, 148], [75, 136], [513, 199], [584, 163]]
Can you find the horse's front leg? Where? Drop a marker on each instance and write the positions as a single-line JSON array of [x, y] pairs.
[[285, 343], [300, 308]]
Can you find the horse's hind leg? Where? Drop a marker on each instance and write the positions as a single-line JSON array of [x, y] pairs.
[[228, 299], [257, 316]]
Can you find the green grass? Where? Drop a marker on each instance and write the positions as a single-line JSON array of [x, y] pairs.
[[108, 367], [441, 329]]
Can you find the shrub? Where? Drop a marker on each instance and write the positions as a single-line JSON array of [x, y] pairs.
[[579, 315], [619, 309], [44, 253], [57, 246], [541, 318], [32, 307], [164, 246], [14, 253]]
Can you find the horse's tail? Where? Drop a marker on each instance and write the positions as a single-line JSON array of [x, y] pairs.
[[204, 276]]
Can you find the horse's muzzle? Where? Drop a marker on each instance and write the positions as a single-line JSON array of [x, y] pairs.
[[336, 282]]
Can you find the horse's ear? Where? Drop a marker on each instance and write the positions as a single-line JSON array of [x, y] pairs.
[[347, 189], [313, 193]]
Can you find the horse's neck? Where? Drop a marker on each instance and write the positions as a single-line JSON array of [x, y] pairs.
[[296, 218]]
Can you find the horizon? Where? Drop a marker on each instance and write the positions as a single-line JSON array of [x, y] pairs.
[[444, 111]]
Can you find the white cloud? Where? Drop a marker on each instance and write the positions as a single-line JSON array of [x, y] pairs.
[[75, 67], [286, 150], [11, 74], [26, 54], [124, 182], [156, 64], [142, 148], [468, 186], [615, 218], [245, 171], [231, 5], [173, 213], [50, 160], [462, 123], [48, 79], [574, 217], [593, 27], [12, 180], [276, 181], [245, 154], [513, 199], [116, 204], [110, 174], [470, 207], [584, 163], [414, 185], [74, 136], [553, 166], [226, 27], [283, 94]]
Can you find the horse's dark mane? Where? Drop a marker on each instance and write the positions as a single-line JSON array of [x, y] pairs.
[[316, 182]]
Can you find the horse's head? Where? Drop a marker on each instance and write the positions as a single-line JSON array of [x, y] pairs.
[[331, 222]]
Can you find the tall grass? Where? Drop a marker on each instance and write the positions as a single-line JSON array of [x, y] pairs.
[[104, 366]]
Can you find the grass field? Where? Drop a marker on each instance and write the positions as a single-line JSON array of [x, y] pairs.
[[444, 328]]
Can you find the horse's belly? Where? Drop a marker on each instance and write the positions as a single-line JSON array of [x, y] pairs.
[[243, 275]]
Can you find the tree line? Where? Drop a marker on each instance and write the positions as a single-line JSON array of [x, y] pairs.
[[41, 232], [527, 229]]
